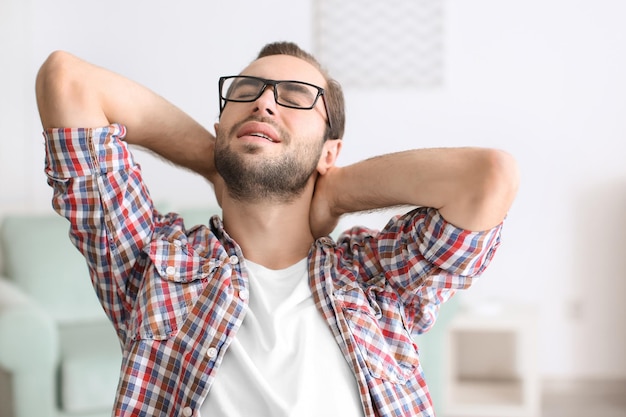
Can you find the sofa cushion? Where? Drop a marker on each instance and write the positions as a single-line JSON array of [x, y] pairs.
[[39, 258], [90, 366]]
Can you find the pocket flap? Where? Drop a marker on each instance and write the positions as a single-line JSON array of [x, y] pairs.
[[176, 261]]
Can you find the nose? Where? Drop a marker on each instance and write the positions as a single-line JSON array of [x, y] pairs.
[[266, 102]]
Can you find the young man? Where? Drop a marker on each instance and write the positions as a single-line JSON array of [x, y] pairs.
[[260, 313]]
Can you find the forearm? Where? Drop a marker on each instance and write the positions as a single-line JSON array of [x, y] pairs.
[[75, 93], [472, 188]]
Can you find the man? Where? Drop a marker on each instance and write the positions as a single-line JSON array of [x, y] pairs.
[[260, 313]]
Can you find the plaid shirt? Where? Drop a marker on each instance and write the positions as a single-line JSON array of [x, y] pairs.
[[177, 297]]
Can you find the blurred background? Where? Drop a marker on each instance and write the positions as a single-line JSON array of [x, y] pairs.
[[541, 79]]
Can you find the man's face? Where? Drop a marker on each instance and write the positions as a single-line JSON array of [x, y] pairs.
[[264, 150]]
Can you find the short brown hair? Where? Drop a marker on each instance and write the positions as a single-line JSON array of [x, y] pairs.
[[333, 93]]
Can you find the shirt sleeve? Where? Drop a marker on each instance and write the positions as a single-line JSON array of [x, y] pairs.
[[457, 257], [463, 253], [426, 260], [98, 187]]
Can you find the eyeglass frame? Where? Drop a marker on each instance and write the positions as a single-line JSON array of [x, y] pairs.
[[320, 92]]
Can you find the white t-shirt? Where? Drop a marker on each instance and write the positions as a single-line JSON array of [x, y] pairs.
[[284, 360]]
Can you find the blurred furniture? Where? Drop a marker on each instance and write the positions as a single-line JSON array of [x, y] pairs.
[[491, 364], [59, 355], [433, 353]]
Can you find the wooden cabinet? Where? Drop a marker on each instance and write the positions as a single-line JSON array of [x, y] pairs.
[[491, 367]]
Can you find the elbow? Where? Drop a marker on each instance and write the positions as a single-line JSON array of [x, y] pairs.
[[52, 75], [505, 176], [500, 182], [58, 87]]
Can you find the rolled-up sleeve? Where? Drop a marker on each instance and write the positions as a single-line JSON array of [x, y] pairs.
[[428, 259], [98, 187], [458, 251]]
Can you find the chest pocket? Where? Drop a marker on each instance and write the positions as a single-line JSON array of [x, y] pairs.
[[172, 285], [374, 317]]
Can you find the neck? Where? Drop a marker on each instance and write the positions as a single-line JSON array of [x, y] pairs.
[[275, 235]]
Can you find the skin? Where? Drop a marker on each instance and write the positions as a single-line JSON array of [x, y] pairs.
[[472, 188]]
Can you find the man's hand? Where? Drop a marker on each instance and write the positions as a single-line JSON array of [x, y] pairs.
[[323, 215]]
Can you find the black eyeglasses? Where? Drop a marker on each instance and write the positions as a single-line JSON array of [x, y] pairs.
[[292, 94]]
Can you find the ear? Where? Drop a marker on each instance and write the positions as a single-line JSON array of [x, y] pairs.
[[328, 158]]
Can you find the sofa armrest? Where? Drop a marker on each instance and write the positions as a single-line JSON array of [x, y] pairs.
[[29, 335]]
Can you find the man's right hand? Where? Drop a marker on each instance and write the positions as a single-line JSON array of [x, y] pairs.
[[323, 215]]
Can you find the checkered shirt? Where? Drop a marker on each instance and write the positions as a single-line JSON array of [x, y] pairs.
[[176, 296]]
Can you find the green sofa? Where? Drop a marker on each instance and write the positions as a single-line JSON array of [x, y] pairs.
[[59, 355]]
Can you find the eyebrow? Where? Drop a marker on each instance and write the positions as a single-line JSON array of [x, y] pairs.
[[296, 86], [243, 81]]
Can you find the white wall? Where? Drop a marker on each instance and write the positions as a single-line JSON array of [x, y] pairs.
[[541, 79]]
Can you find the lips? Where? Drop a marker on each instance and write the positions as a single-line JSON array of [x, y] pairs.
[[261, 130]]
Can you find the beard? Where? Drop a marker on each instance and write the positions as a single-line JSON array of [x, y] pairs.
[[280, 178]]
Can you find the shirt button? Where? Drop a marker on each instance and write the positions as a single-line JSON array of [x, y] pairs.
[[326, 241], [170, 270], [244, 294], [211, 352], [338, 296], [233, 260], [178, 243], [187, 412]]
